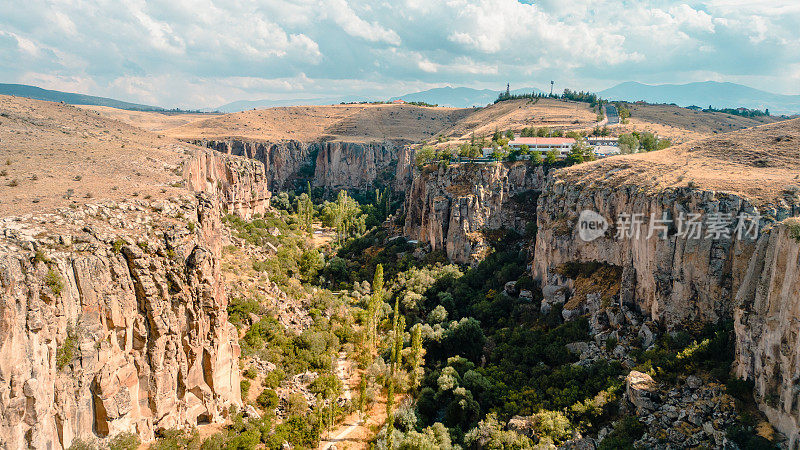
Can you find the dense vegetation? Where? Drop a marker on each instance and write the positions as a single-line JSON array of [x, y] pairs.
[[452, 353]]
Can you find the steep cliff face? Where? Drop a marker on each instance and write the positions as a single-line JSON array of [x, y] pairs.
[[113, 315], [346, 165], [450, 207], [238, 184], [282, 160], [767, 328], [674, 280], [331, 165], [404, 171], [686, 281]]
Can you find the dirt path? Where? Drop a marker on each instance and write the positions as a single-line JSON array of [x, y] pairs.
[[354, 433]]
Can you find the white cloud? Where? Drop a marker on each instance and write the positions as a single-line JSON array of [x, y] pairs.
[[207, 52]]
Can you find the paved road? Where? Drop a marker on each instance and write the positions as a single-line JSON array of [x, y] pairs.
[[612, 115]]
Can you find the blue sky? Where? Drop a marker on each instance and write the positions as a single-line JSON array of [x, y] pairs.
[[203, 53]]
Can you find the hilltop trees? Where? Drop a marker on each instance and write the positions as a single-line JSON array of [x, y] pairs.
[[645, 141], [580, 152], [424, 156]]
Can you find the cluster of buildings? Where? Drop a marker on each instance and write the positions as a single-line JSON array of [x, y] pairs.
[[603, 146]]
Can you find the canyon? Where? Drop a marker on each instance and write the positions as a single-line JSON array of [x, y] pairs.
[[114, 310], [677, 280]]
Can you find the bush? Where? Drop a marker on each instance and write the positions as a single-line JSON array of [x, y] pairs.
[[267, 399], [80, 444], [244, 386], [174, 439], [124, 441], [54, 282], [625, 433], [66, 352], [746, 438], [794, 229]]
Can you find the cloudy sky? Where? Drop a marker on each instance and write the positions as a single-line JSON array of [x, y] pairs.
[[203, 53]]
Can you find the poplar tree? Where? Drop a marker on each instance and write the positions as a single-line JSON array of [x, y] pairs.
[[417, 353], [374, 305]]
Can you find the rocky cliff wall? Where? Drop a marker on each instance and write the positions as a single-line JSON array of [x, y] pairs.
[[330, 165], [113, 314], [767, 326], [346, 165], [450, 207], [683, 281], [673, 280], [283, 161], [404, 171], [239, 184]]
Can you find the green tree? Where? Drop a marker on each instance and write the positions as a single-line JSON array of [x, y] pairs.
[[416, 358], [424, 156], [510, 134], [497, 136], [552, 156], [374, 307], [628, 143], [536, 157]]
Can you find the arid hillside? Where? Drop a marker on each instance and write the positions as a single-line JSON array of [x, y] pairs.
[[149, 120], [760, 163], [683, 124], [53, 154], [351, 123], [519, 114]]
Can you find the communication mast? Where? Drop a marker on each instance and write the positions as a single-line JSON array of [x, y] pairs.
[[551, 87]]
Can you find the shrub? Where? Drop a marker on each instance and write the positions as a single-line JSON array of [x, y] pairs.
[[124, 441], [175, 439], [625, 433], [80, 444], [250, 373], [746, 438], [65, 353], [39, 256], [117, 245], [13, 183], [794, 229], [267, 399], [244, 385], [54, 282]]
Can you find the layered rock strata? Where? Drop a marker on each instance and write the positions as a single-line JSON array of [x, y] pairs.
[[113, 314], [451, 207]]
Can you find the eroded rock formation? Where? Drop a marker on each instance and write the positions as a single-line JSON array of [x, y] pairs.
[[113, 315], [331, 165], [451, 207], [767, 325]]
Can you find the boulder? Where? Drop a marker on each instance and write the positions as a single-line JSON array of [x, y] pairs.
[[642, 391]]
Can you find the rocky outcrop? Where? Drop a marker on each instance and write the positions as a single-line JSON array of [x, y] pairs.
[[450, 207], [642, 391], [283, 161], [113, 315], [684, 280], [238, 184], [767, 326], [331, 165], [405, 169], [675, 280], [356, 166]]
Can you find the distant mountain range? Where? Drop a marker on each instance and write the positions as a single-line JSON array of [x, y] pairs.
[[459, 97], [706, 93], [243, 105], [37, 93], [713, 93]]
